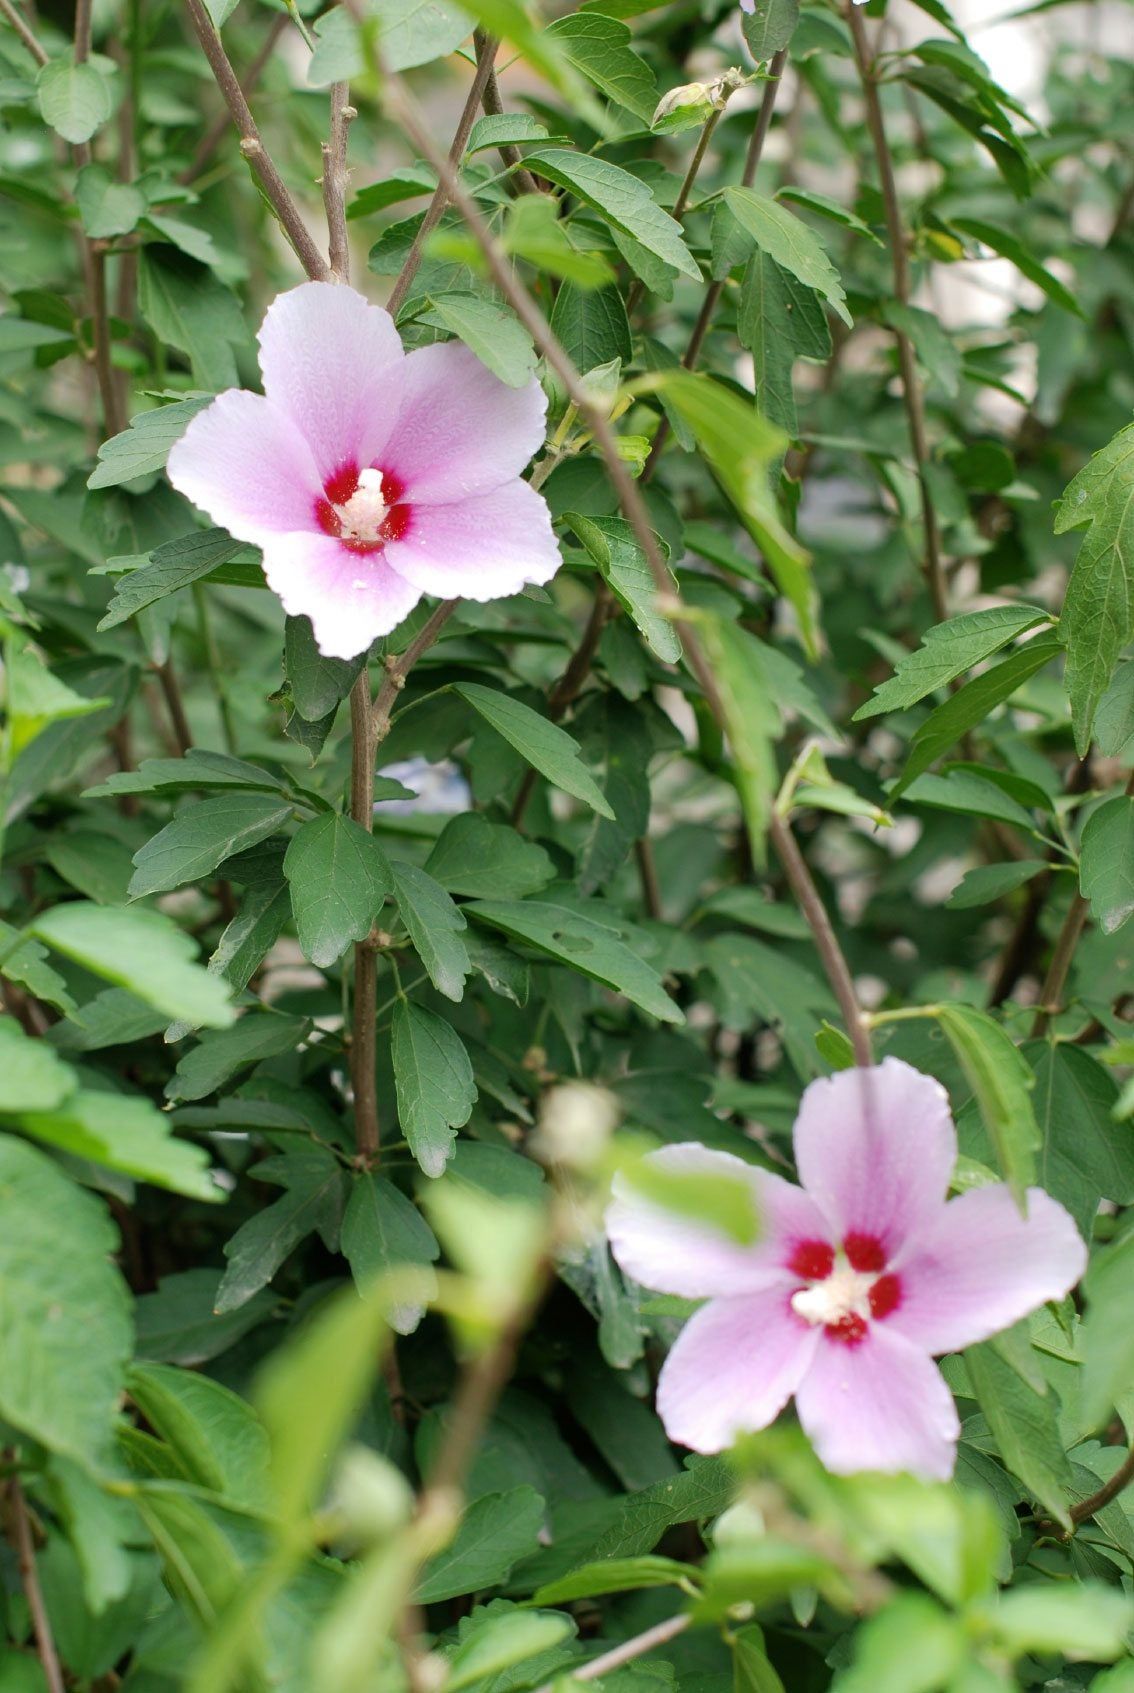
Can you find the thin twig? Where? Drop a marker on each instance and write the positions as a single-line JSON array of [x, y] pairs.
[[38, 52], [716, 289], [398, 669], [912, 393], [29, 1575], [251, 145], [217, 130], [638, 288], [521, 178], [486, 57], [175, 705], [336, 180], [405, 109], [364, 1021], [637, 1647], [1117, 1484]]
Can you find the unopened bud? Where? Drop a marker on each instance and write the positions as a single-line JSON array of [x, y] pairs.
[[601, 384], [576, 1122], [370, 1497], [683, 107]]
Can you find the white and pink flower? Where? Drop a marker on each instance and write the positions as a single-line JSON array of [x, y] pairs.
[[370, 476], [860, 1277]]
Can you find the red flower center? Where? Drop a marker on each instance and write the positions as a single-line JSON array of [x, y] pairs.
[[363, 508], [844, 1291]]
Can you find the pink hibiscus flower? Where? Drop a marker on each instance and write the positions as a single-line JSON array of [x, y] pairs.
[[858, 1279], [370, 476]]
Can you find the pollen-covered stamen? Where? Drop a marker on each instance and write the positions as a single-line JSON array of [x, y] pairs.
[[844, 1293], [364, 513]]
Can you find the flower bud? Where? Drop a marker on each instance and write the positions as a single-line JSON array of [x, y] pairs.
[[682, 108], [576, 1121], [370, 1498]]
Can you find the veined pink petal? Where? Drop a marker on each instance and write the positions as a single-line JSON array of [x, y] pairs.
[[246, 465], [879, 1404], [350, 598], [480, 548], [684, 1255], [733, 1368], [982, 1266], [333, 363], [461, 430], [875, 1149]]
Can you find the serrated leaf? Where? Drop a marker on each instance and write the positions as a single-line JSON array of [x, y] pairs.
[[219, 1441], [615, 1575], [769, 27], [434, 1080], [107, 207], [382, 1228], [547, 747], [34, 1078], [339, 877], [203, 836], [946, 652], [489, 329], [1106, 863], [504, 129], [36, 698], [435, 927], [622, 198], [496, 1532], [599, 47], [1098, 612], [140, 950], [312, 1202], [990, 882], [778, 319], [1001, 1081], [73, 98], [1086, 1155], [125, 1132], [177, 1324], [1025, 1428], [611, 542], [490, 1644], [146, 444], [592, 325], [787, 240], [173, 565], [481, 859], [218, 1057]]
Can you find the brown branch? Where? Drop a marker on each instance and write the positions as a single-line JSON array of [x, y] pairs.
[[485, 59], [406, 111], [716, 289], [648, 1641], [490, 99], [29, 1576], [336, 180], [398, 669], [912, 394], [1117, 1484], [37, 51], [175, 705], [217, 130], [251, 145]]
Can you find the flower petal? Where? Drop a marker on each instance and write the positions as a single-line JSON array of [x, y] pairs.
[[351, 599], [875, 1149], [880, 1404], [733, 1368], [461, 431], [480, 548], [244, 463], [982, 1267], [333, 363], [684, 1255]]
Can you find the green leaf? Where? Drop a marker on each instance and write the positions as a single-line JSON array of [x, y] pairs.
[[489, 329], [490, 1644], [219, 1441], [912, 1645], [34, 1078], [66, 1312], [599, 47], [503, 129], [107, 207], [140, 950], [1108, 1334], [198, 769], [1086, 1155], [173, 565], [1009, 247], [769, 27], [990, 882], [317, 683], [312, 1180], [409, 33], [145, 445], [1114, 720], [741, 448], [611, 542], [753, 980], [1025, 1427], [434, 1080], [189, 308], [534, 232], [36, 699], [217, 1057], [971, 705], [435, 927], [935, 349], [961, 789], [787, 240], [1001, 1081], [777, 320], [1086, 1621], [752, 1669], [74, 99], [339, 877], [830, 209], [592, 325], [549, 749], [946, 652], [616, 1575], [624, 200], [1106, 864], [382, 1228], [1098, 613], [497, 1531], [127, 1133], [177, 1324], [482, 860], [752, 719], [588, 938], [203, 836]]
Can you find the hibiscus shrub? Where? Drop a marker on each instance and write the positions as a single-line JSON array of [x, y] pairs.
[[567, 846]]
